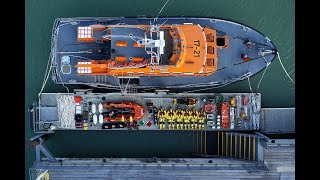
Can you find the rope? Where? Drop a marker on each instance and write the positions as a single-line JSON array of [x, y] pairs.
[[62, 81], [80, 57], [133, 39], [118, 81], [249, 84], [218, 86], [48, 63], [268, 63], [75, 52], [284, 68], [46, 77], [155, 19], [47, 73], [206, 88], [125, 89], [66, 111], [164, 22]]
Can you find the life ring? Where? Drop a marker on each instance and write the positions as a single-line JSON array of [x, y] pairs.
[[208, 108]]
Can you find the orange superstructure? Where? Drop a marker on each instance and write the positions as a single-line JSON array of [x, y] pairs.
[[193, 52]]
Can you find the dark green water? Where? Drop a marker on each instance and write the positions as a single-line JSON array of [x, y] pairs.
[[274, 18]]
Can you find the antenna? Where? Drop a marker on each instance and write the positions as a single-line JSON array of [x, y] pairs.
[[155, 19]]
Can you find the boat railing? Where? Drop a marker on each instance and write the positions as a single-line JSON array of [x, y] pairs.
[[53, 49], [35, 119]]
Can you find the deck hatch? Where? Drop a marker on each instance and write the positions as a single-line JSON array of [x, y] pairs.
[[65, 65], [221, 41]]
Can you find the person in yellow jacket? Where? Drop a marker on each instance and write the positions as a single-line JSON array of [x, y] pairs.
[[186, 119], [161, 116], [194, 118], [182, 119], [179, 117], [201, 117], [170, 116]]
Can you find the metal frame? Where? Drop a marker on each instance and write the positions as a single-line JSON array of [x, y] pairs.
[[37, 142]]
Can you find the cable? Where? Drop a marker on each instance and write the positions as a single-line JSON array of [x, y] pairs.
[[249, 84], [164, 22], [126, 86], [80, 57], [45, 82], [62, 81], [75, 52], [268, 63], [218, 86], [48, 63], [155, 19], [284, 68], [206, 88]]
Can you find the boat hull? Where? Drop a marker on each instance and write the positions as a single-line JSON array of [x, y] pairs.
[[230, 70]]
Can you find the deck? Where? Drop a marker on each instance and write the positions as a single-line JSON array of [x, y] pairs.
[[46, 114]]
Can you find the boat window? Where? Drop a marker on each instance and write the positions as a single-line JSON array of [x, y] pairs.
[[210, 50], [210, 62], [221, 41], [210, 37]]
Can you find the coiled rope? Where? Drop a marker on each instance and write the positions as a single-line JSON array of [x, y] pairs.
[[66, 111]]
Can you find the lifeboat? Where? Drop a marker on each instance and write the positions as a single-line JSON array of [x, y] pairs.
[[225, 115], [122, 111], [200, 51]]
